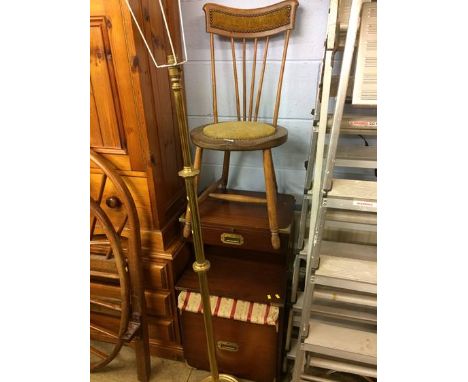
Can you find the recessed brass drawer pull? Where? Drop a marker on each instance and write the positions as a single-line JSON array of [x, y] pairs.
[[232, 238], [228, 346]]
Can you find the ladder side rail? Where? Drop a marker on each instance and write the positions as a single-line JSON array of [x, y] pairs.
[[318, 139], [302, 222], [319, 156], [314, 135], [312, 265], [353, 27], [316, 189]]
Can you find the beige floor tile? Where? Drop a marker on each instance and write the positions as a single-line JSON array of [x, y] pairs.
[[198, 375], [122, 369]]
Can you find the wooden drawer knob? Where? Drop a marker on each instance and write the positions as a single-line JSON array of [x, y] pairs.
[[113, 202]]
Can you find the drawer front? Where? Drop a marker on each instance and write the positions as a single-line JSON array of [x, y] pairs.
[[237, 344], [156, 275], [138, 187], [243, 239], [157, 303], [161, 330]]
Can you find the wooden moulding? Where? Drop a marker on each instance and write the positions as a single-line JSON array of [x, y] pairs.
[[250, 23], [238, 198]]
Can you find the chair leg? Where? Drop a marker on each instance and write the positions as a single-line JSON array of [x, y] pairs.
[[225, 176], [271, 197], [142, 353], [188, 215]]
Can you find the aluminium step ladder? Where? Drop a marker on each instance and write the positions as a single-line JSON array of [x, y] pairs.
[[336, 312]]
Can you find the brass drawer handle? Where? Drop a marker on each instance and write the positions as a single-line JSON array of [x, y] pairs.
[[113, 202], [232, 238], [228, 346]]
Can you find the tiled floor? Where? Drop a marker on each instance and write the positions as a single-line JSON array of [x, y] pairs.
[[122, 369]]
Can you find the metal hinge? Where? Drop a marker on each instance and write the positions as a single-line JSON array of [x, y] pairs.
[[133, 327]]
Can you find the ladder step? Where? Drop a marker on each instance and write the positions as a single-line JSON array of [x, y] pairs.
[[358, 156], [347, 273], [345, 297], [345, 367], [338, 311], [357, 217], [322, 294], [355, 124], [336, 219], [335, 248], [349, 250], [350, 194], [341, 342]]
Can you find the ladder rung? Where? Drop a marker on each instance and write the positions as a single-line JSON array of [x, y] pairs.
[[349, 250], [346, 273], [344, 220], [356, 121], [345, 313], [341, 342], [345, 297], [355, 124], [353, 189], [350, 194], [358, 156], [346, 367], [339, 311], [328, 295], [357, 217], [335, 248]]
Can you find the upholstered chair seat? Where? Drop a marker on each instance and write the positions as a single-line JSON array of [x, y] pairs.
[[238, 130], [238, 136]]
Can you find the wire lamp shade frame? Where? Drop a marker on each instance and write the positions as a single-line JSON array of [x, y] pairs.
[[176, 63]]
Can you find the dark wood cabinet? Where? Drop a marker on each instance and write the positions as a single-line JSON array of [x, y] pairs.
[[133, 124], [245, 268]]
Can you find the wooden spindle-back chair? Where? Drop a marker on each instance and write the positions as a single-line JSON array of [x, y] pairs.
[[255, 26], [116, 259]]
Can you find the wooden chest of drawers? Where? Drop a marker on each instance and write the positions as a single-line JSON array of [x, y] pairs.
[[250, 271], [133, 124], [161, 305]]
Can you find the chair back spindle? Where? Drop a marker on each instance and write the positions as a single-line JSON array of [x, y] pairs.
[[236, 82], [213, 79], [245, 26]]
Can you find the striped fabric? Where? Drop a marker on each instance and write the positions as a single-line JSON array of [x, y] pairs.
[[246, 311]]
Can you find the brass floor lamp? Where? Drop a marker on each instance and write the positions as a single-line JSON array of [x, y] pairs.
[[201, 265]]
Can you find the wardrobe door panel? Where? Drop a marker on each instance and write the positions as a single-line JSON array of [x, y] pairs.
[[117, 116], [106, 118]]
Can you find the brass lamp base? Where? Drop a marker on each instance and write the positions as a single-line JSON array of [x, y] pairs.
[[222, 378]]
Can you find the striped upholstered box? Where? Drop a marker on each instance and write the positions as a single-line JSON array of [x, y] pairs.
[[246, 335]]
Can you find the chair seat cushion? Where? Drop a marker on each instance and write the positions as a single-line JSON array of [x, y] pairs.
[[200, 139], [238, 130]]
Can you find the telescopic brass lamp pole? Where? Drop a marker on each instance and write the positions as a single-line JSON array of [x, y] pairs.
[[201, 265]]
